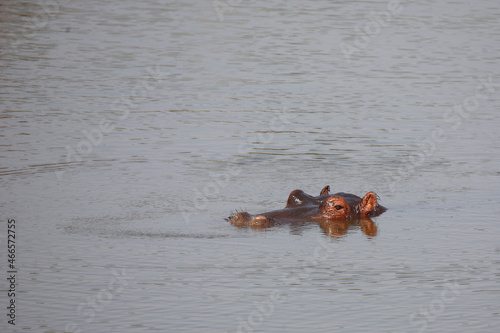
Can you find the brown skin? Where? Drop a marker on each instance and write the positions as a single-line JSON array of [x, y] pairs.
[[334, 212]]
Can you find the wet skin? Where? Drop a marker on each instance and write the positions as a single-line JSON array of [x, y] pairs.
[[335, 213]]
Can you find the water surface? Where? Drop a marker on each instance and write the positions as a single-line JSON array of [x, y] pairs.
[[130, 130]]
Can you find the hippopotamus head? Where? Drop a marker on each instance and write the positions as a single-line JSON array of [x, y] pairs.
[[349, 206], [302, 207]]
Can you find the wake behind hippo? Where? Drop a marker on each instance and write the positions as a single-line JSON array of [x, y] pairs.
[[302, 207]]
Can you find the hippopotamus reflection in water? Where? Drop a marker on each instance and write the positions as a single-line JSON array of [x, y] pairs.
[[335, 213]]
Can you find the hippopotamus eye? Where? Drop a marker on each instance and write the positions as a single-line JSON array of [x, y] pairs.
[[338, 207]]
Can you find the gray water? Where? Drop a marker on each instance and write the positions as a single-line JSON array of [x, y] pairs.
[[131, 129]]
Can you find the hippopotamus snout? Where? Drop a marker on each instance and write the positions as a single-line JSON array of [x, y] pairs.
[[243, 219]]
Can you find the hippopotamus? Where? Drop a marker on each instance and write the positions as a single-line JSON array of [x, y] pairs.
[[332, 211]]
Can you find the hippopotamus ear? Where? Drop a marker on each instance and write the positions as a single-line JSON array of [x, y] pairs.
[[325, 190], [368, 203]]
